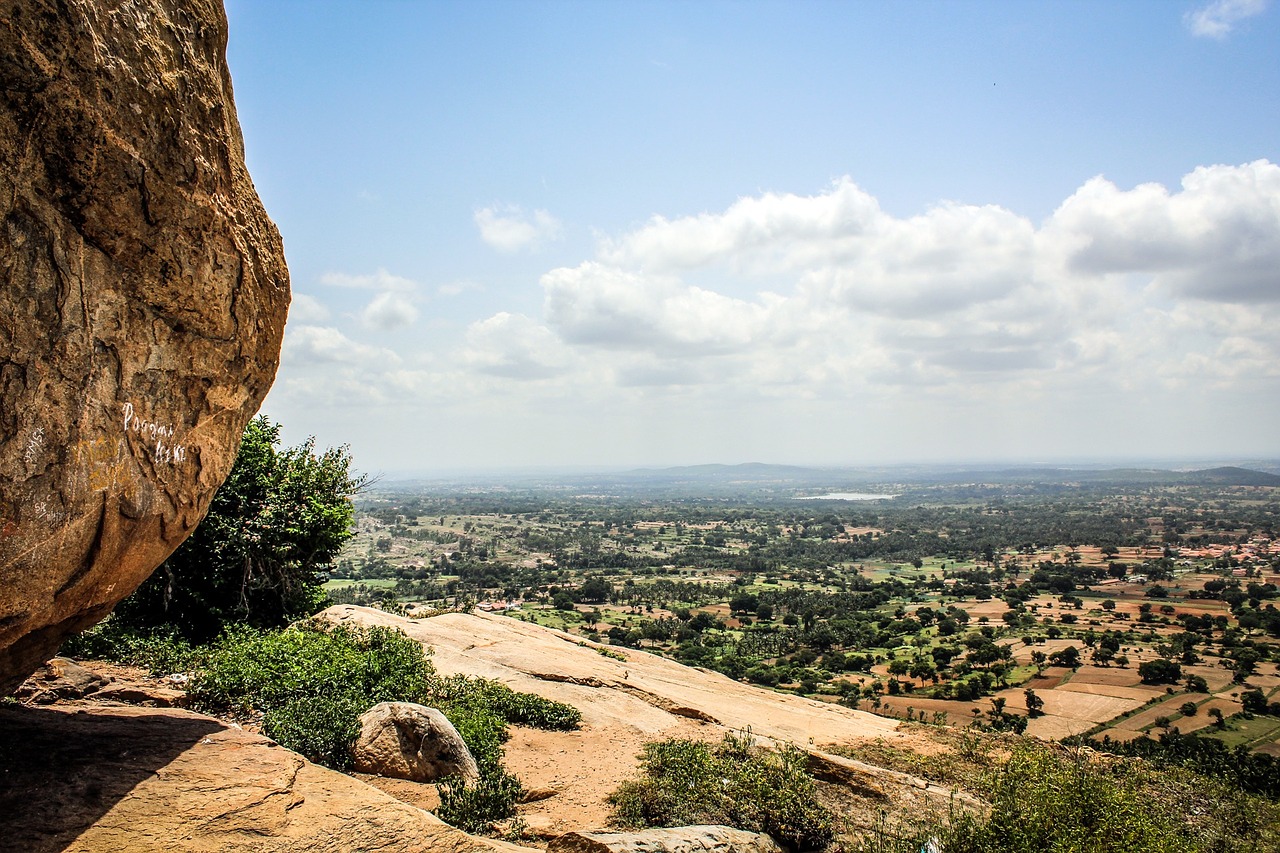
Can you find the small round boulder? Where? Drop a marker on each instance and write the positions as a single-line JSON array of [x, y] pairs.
[[403, 740]]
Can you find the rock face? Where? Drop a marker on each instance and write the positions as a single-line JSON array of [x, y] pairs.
[[142, 307], [681, 839], [60, 678], [407, 741], [106, 779]]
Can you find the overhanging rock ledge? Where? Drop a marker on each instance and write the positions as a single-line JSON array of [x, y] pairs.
[[143, 303]]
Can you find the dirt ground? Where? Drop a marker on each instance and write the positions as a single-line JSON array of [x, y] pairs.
[[567, 787], [624, 704]]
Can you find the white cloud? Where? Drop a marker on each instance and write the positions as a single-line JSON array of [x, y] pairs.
[[784, 227], [606, 307], [827, 295], [508, 228], [827, 317], [326, 368], [327, 345], [380, 280], [1218, 18], [457, 288], [951, 257], [514, 346], [389, 311], [307, 309], [1218, 239], [841, 243]]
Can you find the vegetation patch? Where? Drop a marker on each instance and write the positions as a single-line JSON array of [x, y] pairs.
[[1253, 772], [1048, 800], [309, 683], [159, 651], [735, 783]]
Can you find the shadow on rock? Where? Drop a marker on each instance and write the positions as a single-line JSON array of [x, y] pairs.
[[61, 770]]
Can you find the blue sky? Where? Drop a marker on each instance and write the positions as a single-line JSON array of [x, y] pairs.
[[616, 234]]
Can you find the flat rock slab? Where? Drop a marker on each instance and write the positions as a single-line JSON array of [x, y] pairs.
[[680, 839], [116, 778]]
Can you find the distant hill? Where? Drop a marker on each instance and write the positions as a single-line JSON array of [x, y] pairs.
[[746, 471], [796, 475], [1232, 476], [764, 481]]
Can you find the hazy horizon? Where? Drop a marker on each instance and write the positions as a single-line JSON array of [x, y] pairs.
[[651, 234], [1160, 464]]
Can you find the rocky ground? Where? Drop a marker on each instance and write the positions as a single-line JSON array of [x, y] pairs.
[[85, 771], [98, 757], [642, 697]]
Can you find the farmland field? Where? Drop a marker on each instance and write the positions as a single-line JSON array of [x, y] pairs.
[[1114, 605]]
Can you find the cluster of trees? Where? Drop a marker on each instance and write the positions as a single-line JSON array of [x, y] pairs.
[[1254, 772], [585, 537]]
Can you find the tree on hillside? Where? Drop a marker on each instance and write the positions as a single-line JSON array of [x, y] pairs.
[[280, 517], [1034, 703], [1070, 656], [1160, 671], [594, 591]]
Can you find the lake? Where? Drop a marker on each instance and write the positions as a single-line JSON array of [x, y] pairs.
[[847, 496]]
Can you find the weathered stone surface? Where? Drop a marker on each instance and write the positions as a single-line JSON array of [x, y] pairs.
[[60, 678], [149, 695], [681, 839], [407, 741], [99, 779], [142, 307]]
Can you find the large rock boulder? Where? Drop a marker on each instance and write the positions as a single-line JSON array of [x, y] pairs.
[[403, 740], [681, 839], [142, 307]]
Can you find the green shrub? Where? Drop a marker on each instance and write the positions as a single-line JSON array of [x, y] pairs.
[[1045, 802], [312, 683], [320, 727], [481, 729], [161, 652], [735, 783], [268, 671], [476, 808], [1041, 801], [512, 706]]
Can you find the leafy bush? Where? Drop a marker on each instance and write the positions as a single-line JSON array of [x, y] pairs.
[[267, 671], [159, 651], [312, 684], [319, 727], [1042, 801], [735, 783], [512, 706], [480, 709], [312, 681], [476, 808], [481, 729]]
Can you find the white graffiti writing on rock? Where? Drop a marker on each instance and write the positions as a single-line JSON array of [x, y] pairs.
[[34, 445], [166, 450]]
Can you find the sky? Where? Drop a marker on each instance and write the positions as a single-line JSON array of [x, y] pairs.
[[620, 234]]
